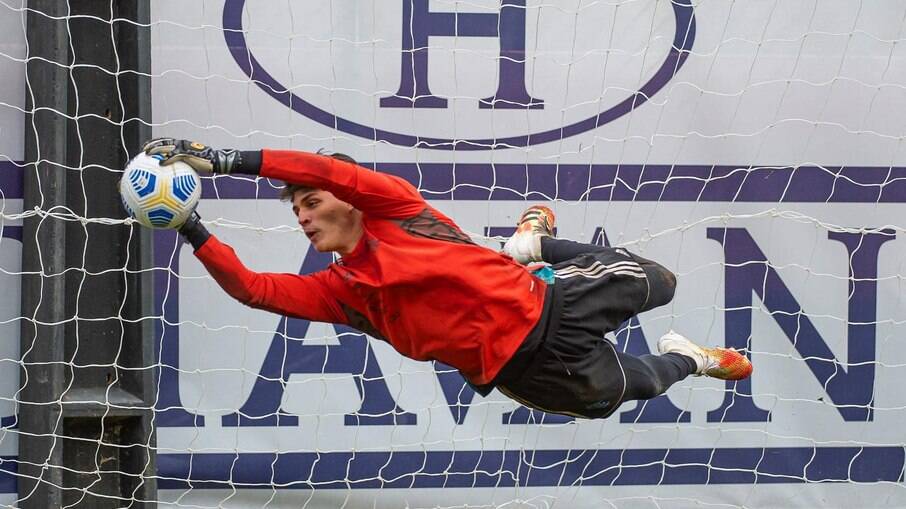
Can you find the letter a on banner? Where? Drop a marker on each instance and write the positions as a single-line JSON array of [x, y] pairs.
[[288, 354]]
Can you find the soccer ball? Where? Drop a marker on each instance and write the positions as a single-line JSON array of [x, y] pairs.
[[159, 196]]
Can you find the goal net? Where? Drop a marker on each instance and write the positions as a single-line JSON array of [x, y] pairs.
[[753, 148]]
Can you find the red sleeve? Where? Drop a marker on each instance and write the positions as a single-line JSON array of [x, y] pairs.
[[300, 296], [374, 193]]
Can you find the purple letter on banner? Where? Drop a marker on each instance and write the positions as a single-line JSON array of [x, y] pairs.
[[287, 356], [850, 384], [419, 24]]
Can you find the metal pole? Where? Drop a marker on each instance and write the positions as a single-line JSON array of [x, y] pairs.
[[86, 436]]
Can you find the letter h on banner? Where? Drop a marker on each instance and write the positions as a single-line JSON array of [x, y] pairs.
[[419, 24]]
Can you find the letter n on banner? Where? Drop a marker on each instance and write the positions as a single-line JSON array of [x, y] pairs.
[[849, 383]]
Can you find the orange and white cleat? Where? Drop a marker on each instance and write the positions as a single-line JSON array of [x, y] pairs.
[[722, 363], [525, 245]]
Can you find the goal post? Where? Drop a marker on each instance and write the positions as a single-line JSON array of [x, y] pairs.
[[85, 403]]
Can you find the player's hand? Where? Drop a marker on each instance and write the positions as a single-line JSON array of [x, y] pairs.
[[202, 158], [193, 231], [191, 223]]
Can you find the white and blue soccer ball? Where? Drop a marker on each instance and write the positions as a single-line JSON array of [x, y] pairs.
[[159, 196]]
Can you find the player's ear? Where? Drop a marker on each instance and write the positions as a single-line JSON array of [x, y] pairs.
[[355, 213]]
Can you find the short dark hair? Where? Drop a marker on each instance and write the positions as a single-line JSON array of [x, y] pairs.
[[290, 190]]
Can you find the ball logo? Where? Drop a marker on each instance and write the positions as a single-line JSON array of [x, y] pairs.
[[143, 181], [159, 196], [512, 74]]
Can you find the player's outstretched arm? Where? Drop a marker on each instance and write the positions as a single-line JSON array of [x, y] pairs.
[[371, 192], [296, 295], [375, 193]]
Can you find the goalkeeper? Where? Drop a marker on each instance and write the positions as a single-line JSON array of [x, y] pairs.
[[409, 276]]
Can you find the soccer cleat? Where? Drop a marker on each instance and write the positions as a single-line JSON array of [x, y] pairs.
[[525, 245], [722, 363]]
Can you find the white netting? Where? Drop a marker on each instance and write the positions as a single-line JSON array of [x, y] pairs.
[[755, 148]]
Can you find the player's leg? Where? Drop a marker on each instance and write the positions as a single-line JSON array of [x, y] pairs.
[[575, 370], [717, 362], [575, 373], [534, 242], [661, 281], [649, 376]]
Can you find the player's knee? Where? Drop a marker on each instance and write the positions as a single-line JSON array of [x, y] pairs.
[[653, 390], [670, 283], [646, 388], [663, 285]]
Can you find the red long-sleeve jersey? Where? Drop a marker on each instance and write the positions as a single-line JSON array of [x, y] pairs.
[[414, 279]]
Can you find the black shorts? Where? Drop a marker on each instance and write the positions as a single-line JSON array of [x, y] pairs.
[[571, 368]]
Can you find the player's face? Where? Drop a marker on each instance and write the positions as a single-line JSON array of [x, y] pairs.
[[329, 223]]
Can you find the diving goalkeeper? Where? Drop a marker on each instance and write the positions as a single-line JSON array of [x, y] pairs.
[[409, 276]]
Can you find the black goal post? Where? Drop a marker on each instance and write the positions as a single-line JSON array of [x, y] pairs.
[[86, 398]]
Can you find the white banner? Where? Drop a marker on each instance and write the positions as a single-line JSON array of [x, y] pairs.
[[748, 147], [754, 148]]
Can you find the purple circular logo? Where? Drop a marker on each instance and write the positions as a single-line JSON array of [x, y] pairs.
[[414, 93]]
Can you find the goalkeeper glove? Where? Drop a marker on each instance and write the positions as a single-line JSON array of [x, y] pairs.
[[201, 158], [193, 231]]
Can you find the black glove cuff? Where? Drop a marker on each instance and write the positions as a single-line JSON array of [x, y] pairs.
[[194, 232], [249, 162]]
